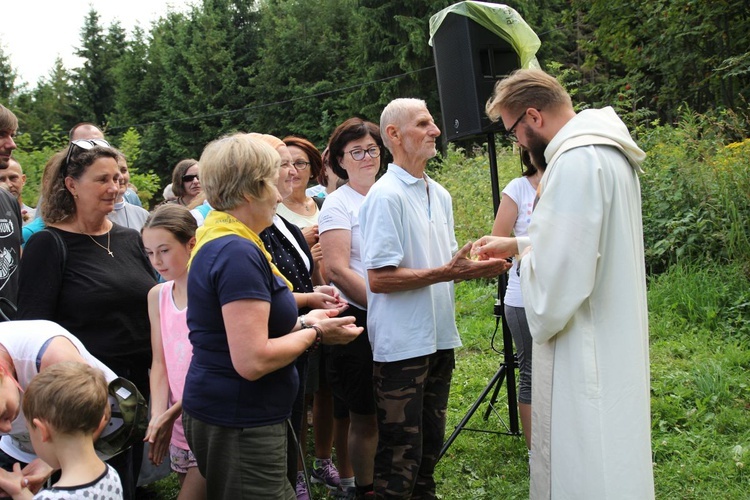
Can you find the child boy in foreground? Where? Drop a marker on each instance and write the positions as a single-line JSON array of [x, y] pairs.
[[65, 407]]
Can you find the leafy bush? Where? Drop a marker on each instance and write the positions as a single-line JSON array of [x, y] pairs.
[[696, 195], [466, 176]]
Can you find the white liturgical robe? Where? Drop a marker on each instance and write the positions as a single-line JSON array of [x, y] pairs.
[[584, 289]]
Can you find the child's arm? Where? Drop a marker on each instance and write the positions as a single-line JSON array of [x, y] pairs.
[[14, 484], [160, 432], [162, 419]]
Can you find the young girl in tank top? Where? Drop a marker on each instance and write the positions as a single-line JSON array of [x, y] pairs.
[[168, 237]]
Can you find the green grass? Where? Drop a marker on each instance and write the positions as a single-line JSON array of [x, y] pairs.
[[700, 406], [480, 465]]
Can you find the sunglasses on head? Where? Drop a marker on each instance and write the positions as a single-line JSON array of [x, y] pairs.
[[85, 144], [190, 177]]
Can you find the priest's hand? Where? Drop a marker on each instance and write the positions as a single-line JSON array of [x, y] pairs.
[[494, 247]]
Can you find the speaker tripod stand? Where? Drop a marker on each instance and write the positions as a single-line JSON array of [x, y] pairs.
[[507, 370]]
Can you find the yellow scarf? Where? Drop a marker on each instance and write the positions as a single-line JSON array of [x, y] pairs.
[[218, 224]]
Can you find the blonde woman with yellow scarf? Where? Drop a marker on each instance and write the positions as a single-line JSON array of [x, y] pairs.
[[244, 329]]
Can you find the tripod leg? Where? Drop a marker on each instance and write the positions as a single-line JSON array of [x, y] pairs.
[[493, 399], [496, 380], [510, 385]]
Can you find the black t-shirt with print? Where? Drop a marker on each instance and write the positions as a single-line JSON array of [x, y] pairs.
[[10, 252]]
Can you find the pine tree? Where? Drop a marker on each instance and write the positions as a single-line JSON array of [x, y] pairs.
[[8, 77], [51, 103], [95, 81]]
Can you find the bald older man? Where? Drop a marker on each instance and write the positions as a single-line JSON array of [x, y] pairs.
[[412, 260]]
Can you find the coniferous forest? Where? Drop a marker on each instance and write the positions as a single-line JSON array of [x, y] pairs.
[[302, 66]]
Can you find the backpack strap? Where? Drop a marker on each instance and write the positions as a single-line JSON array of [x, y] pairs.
[[62, 248]]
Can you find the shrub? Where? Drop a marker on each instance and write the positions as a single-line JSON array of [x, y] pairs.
[[696, 196], [466, 176]]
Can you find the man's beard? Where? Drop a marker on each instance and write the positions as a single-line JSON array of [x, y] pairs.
[[536, 147]]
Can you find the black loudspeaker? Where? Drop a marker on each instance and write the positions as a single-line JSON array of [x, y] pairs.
[[469, 59]]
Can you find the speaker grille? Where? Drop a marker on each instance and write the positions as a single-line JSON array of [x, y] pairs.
[[469, 59]]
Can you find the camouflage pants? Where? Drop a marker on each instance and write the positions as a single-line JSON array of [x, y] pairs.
[[412, 398]]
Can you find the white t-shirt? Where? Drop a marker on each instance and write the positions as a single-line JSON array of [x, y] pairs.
[[23, 340], [341, 211], [404, 225], [523, 194]]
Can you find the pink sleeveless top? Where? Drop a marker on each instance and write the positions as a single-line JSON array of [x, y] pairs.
[[177, 353]]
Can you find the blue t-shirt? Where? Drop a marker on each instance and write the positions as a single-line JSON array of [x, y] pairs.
[[225, 270], [31, 228]]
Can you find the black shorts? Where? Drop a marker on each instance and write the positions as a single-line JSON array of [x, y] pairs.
[[350, 369]]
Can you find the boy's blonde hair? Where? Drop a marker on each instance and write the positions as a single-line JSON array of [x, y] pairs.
[[69, 396]]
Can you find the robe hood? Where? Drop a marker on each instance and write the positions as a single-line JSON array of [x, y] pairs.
[[603, 123]]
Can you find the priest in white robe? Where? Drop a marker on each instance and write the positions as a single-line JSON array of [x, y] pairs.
[[583, 279]]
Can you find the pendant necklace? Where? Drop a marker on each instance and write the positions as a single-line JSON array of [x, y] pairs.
[[102, 246], [303, 205]]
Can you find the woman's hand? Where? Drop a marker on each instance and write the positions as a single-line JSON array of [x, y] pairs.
[[494, 247], [317, 253], [311, 235], [338, 331], [159, 434], [317, 315], [321, 300], [329, 290]]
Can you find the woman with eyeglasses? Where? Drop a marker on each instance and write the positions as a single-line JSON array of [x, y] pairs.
[[186, 184], [354, 149], [90, 275], [299, 208]]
